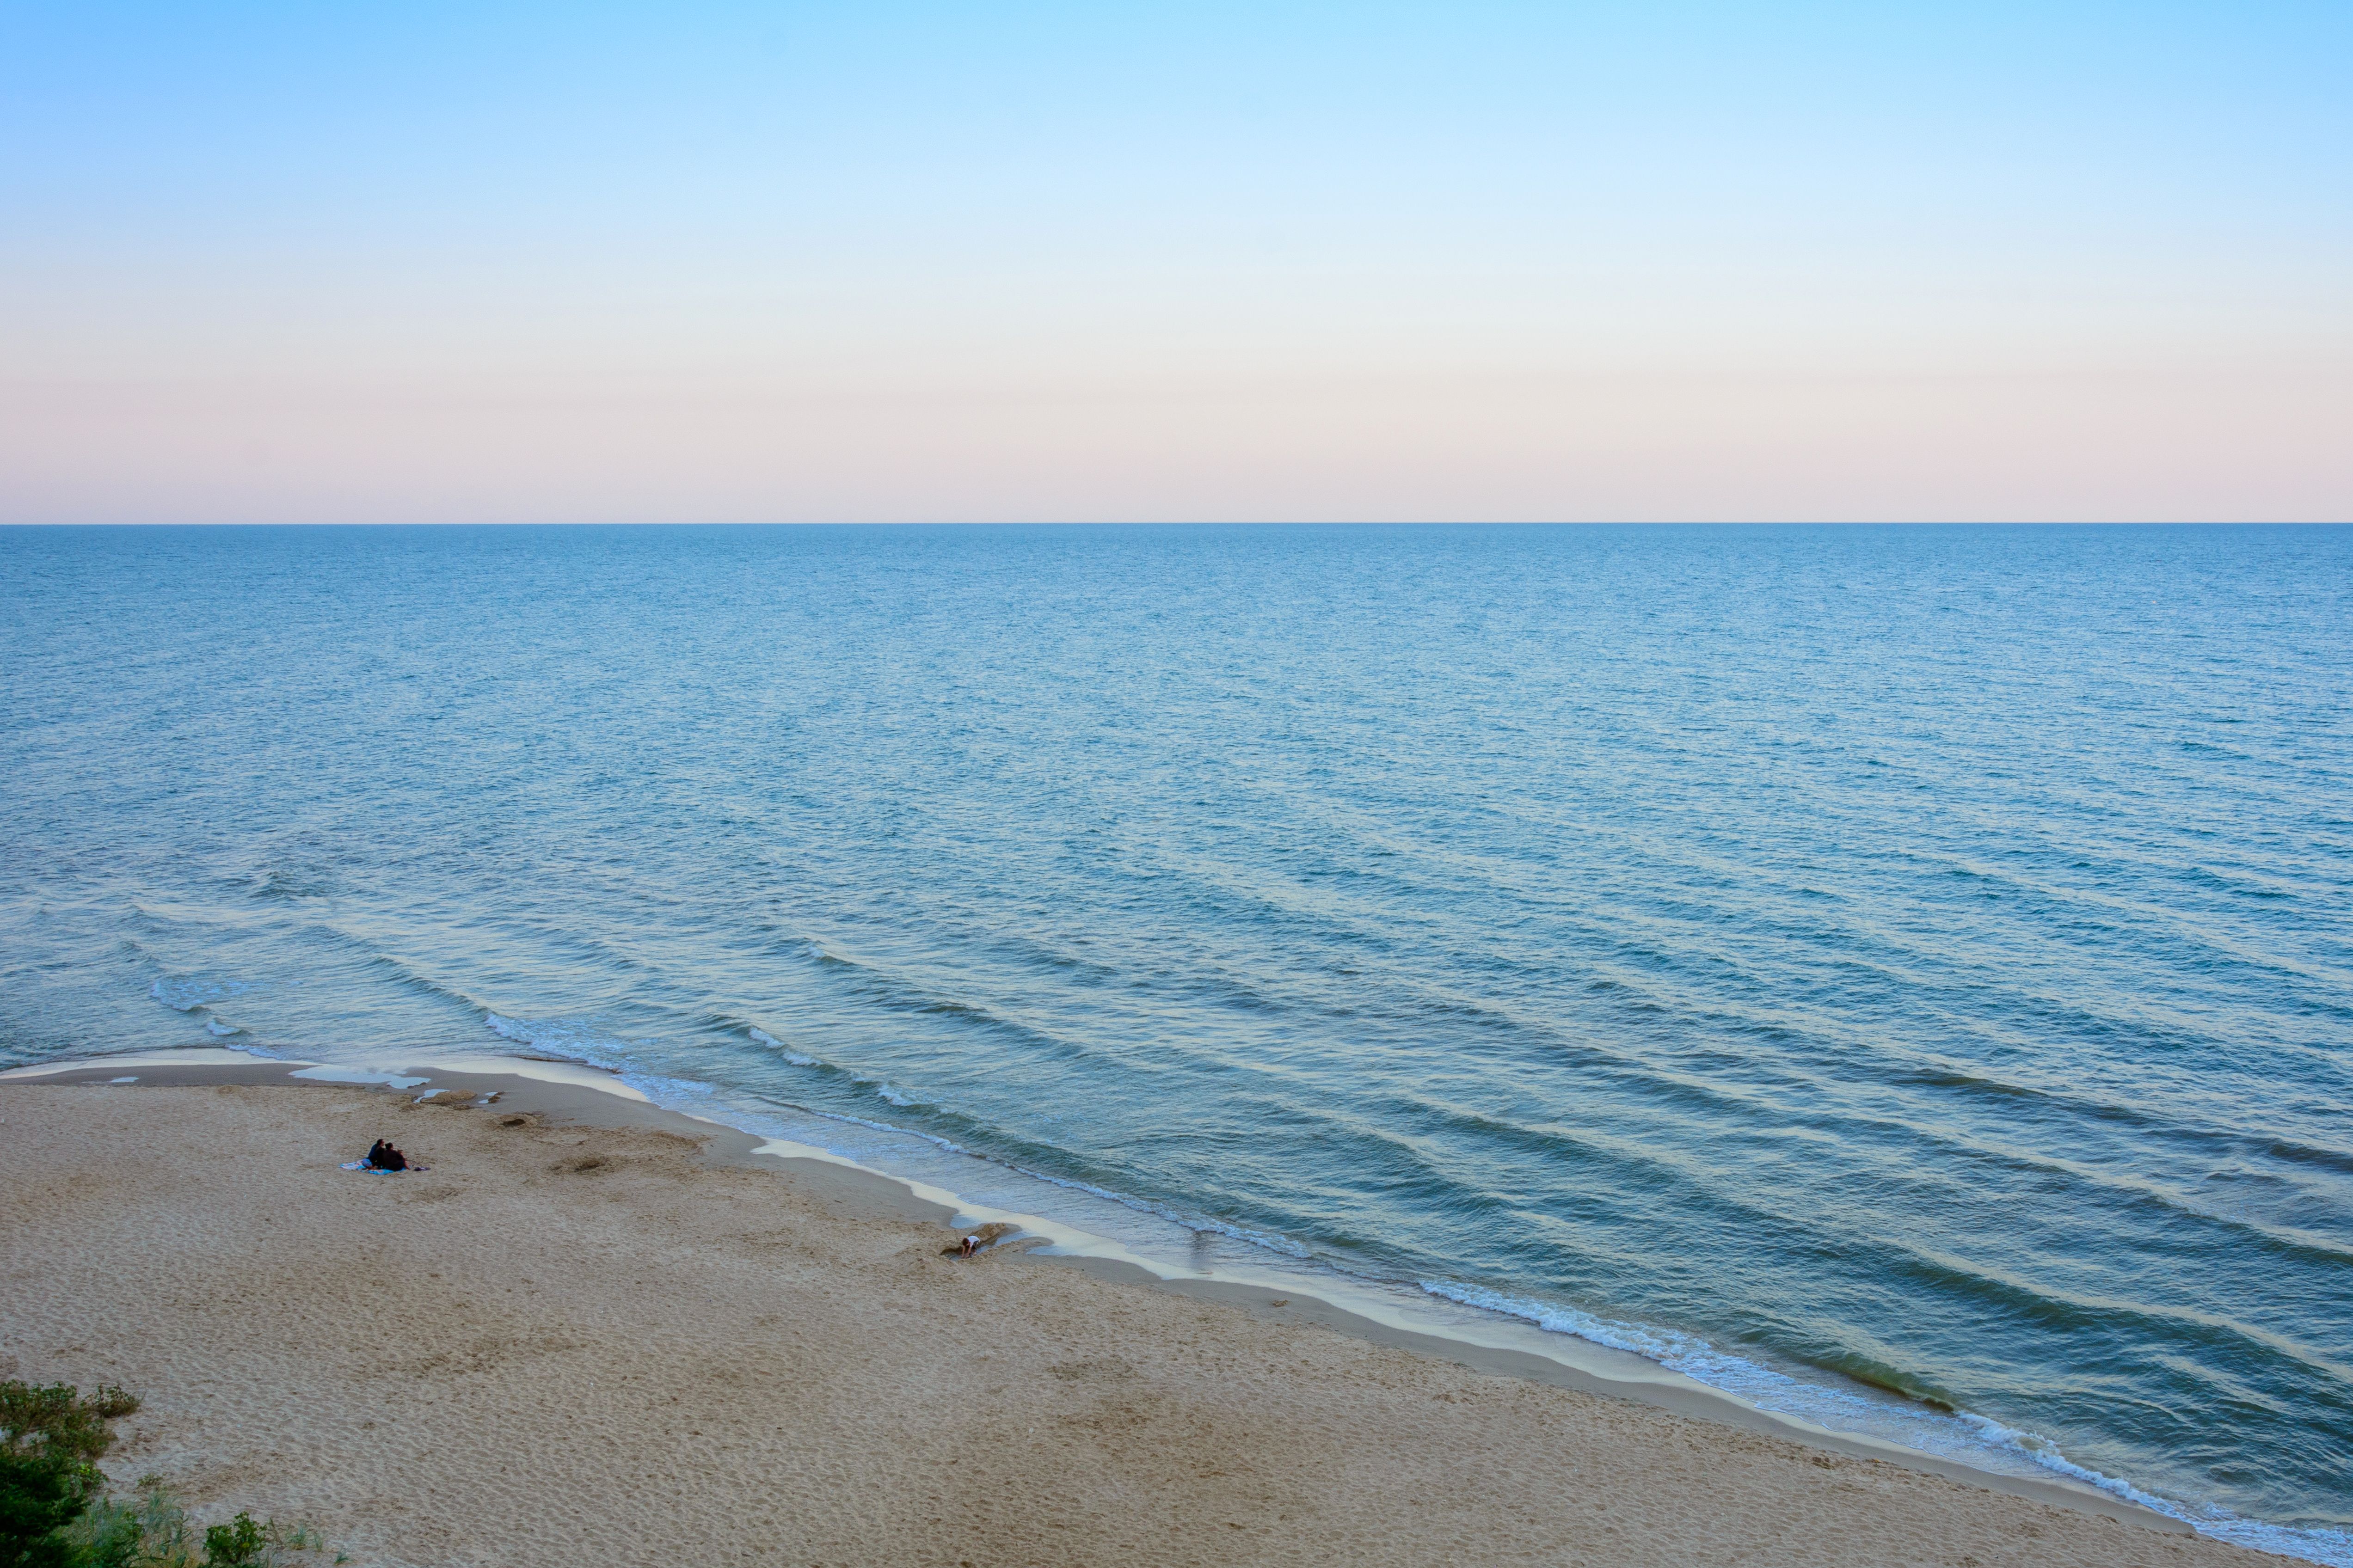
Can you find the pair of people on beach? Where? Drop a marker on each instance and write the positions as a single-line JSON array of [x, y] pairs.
[[384, 1157]]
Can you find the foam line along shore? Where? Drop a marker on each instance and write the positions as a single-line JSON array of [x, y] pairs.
[[1495, 1333], [591, 1329]]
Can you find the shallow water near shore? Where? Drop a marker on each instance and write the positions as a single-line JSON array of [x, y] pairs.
[[1898, 976]]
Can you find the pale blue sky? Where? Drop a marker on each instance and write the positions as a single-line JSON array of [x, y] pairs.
[[927, 261]]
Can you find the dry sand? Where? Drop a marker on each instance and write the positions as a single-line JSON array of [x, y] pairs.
[[576, 1344]]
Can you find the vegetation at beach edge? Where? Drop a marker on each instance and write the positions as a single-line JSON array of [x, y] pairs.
[[53, 1513]]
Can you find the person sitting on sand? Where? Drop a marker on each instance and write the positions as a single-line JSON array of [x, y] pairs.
[[384, 1157], [374, 1155]]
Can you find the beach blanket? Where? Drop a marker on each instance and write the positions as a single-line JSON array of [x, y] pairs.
[[378, 1170]]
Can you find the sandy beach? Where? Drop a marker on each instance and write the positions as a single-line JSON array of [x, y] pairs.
[[604, 1334]]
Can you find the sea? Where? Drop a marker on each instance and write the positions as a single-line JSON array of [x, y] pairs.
[[1901, 977]]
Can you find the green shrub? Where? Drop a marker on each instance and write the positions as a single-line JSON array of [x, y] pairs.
[[151, 1533], [51, 1515], [234, 1545], [51, 1440], [154, 1532]]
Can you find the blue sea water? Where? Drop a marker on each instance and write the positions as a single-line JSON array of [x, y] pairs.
[[1826, 959]]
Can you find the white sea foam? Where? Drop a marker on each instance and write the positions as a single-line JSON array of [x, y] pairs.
[[1973, 1439], [604, 1080], [1969, 1439], [2332, 1547], [582, 1041], [782, 1049], [189, 1055], [1823, 1403], [1666, 1347], [1269, 1240], [1966, 1438], [1199, 1223], [361, 1075]]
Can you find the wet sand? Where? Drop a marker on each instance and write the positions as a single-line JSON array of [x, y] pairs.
[[595, 1332]]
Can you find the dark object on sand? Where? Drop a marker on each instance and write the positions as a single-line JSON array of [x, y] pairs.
[[384, 1157]]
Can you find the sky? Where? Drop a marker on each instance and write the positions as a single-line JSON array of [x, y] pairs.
[[734, 262]]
